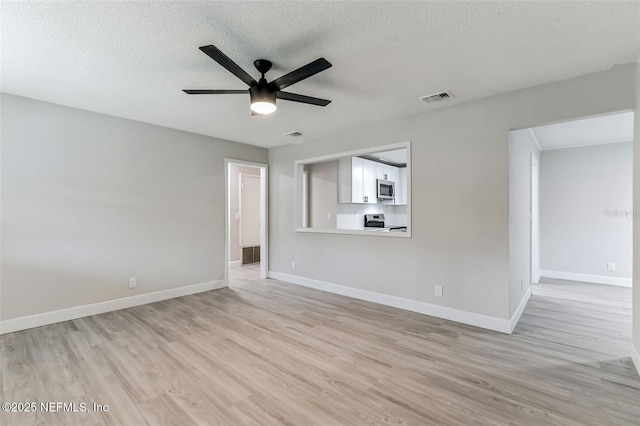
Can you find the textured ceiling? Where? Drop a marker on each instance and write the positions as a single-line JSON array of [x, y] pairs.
[[131, 59], [589, 131]]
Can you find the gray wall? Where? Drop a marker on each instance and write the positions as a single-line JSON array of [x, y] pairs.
[[323, 194], [89, 200], [234, 207], [460, 200], [578, 187], [521, 148]]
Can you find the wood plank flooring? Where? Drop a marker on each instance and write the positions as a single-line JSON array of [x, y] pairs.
[[270, 353]]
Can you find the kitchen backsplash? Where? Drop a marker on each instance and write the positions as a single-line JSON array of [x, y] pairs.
[[351, 216]]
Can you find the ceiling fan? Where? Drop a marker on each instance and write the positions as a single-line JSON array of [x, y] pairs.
[[263, 94]]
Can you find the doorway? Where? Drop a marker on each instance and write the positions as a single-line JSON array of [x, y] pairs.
[[246, 241], [585, 189]]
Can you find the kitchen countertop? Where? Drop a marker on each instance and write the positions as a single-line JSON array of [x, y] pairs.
[[374, 229]]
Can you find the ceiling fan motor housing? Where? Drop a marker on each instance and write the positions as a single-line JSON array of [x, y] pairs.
[[262, 93]]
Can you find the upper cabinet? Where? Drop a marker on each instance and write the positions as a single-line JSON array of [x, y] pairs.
[[358, 178], [357, 181], [401, 187], [386, 172]]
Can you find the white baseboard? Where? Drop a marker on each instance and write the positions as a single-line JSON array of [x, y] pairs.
[[235, 264], [587, 278], [46, 318], [635, 357], [464, 317], [518, 313]]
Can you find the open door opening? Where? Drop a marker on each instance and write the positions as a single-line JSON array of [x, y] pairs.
[[246, 219]]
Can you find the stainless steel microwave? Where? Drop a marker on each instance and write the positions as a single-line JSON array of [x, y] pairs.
[[386, 189]]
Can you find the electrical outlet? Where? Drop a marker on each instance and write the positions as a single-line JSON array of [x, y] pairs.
[[438, 291], [293, 266], [329, 215], [133, 282], [611, 266]]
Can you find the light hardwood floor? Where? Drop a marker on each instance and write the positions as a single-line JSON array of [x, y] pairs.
[[266, 352]]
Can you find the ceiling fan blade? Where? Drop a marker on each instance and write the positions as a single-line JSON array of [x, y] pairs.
[[301, 73], [214, 92], [215, 54], [302, 98]]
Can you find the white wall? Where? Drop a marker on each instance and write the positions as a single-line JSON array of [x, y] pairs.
[[89, 200], [234, 207], [521, 147], [323, 194], [585, 194], [460, 200], [636, 226]]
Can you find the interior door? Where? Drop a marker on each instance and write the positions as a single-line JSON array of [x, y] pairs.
[[249, 210]]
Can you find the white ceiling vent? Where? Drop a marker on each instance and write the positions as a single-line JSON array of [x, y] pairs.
[[294, 134], [436, 97]]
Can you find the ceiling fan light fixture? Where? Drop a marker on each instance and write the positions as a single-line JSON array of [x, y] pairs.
[[263, 107], [263, 101]]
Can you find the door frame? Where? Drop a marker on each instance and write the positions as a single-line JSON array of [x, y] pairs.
[[264, 214], [534, 220]]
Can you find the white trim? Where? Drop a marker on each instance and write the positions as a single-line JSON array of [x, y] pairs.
[[535, 138], [534, 219], [518, 313], [46, 318], [371, 233], [264, 221], [580, 145], [470, 318], [587, 278], [235, 264], [357, 152], [635, 357]]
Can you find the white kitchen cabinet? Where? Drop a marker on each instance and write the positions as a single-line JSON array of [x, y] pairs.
[[380, 171], [369, 182], [357, 181], [392, 174], [401, 186], [386, 172]]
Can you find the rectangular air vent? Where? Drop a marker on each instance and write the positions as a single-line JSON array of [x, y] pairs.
[[437, 97]]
